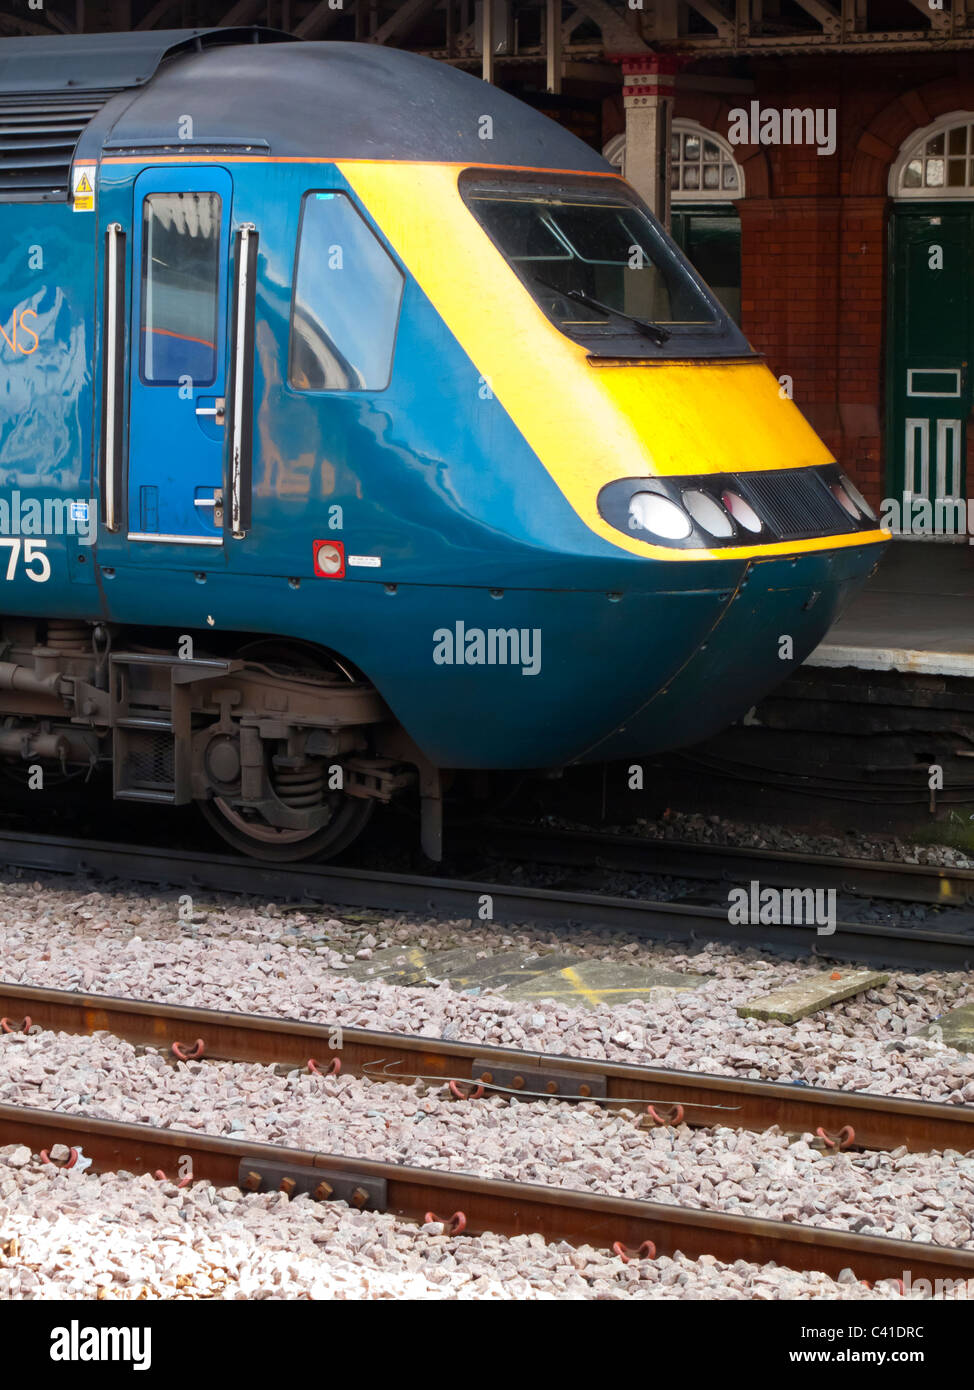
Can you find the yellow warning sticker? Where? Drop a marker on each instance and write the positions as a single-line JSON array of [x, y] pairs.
[[83, 187]]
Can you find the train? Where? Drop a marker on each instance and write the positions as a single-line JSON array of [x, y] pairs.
[[360, 427]]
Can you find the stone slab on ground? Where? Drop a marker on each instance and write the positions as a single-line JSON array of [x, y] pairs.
[[591, 983], [463, 967], [468, 972], [400, 965], [807, 996], [954, 1029]]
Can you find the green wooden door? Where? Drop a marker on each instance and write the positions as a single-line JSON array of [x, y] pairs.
[[931, 344]]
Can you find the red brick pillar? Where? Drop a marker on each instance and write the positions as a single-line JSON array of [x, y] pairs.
[[861, 355]]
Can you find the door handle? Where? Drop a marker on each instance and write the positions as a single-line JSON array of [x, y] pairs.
[[216, 502], [218, 411]]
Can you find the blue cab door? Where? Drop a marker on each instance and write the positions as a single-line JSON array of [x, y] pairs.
[[181, 233]]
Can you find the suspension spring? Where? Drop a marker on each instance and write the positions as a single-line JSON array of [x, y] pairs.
[[300, 788], [68, 635]]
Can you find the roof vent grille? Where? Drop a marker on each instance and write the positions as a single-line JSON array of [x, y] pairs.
[[38, 136]]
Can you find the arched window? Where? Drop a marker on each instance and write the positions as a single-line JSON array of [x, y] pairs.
[[938, 161], [615, 152], [702, 166]]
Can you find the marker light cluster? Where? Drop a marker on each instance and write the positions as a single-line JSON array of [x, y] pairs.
[[721, 509]]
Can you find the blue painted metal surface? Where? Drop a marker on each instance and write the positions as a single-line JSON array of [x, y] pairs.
[[47, 291]]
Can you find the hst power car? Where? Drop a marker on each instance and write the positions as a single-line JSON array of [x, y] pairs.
[[358, 424]]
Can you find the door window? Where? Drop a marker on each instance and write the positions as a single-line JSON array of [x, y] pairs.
[[180, 288]]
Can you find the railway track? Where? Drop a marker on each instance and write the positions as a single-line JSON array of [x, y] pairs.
[[878, 1122], [477, 1204], [863, 878], [883, 944], [465, 1201]]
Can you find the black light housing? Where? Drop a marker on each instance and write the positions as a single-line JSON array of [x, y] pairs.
[[790, 503]]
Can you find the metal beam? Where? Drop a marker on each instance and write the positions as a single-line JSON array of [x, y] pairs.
[[571, 24], [243, 12], [618, 35], [829, 19], [56, 21], [9, 24], [552, 44], [159, 11], [667, 24], [939, 19], [487, 39], [404, 18], [716, 16], [317, 21]]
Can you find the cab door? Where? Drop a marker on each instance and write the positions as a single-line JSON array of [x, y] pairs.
[[177, 429]]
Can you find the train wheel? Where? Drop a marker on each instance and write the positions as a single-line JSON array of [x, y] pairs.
[[254, 837], [269, 842]]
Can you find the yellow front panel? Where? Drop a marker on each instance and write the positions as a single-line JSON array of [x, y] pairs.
[[587, 424]]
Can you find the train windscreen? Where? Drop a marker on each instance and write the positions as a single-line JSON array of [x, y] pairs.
[[602, 268]]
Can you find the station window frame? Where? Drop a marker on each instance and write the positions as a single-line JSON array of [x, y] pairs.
[[381, 242], [914, 150]]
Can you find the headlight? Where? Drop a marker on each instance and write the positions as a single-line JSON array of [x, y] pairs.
[[844, 500], [742, 512], [708, 513], [857, 497], [649, 511]]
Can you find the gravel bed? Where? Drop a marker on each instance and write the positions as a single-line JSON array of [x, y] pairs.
[[854, 844], [926, 1197], [72, 1235], [267, 960]]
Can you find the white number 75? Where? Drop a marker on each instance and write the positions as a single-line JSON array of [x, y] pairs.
[[34, 554]]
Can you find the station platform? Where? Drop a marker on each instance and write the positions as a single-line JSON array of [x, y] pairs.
[[916, 614]]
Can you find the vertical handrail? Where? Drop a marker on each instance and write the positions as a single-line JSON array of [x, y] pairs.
[[242, 384], [113, 339]]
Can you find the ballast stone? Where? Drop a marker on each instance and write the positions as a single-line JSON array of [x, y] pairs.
[[814, 992]]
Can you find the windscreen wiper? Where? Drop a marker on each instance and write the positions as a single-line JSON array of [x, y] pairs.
[[652, 330]]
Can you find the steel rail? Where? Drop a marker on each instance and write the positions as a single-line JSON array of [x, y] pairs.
[[488, 1204], [866, 878], [859, 941], [879, 1122]]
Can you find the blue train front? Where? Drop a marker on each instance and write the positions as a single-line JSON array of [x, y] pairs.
[[359, 424]]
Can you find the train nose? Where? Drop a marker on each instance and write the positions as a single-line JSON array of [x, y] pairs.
[[781, 611]]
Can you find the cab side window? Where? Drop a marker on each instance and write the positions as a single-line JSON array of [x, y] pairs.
[[180, 287], [347, 293]]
